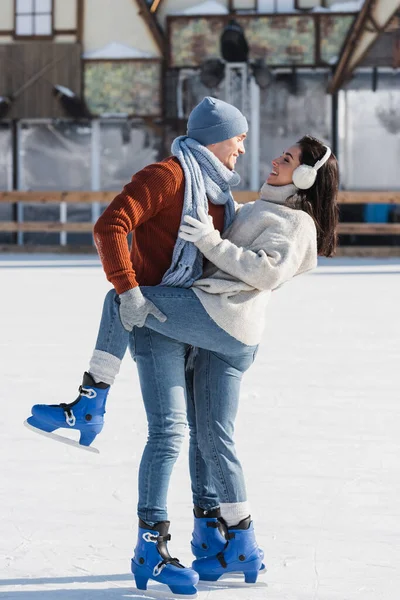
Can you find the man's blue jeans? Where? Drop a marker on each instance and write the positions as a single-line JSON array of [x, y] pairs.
[[207, 397]]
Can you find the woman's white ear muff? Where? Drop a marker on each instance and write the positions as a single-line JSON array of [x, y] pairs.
[[305, 175]]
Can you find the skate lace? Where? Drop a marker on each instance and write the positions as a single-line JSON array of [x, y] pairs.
[[154, 539], [67, 408], [148, 537], [87, 392], [69, 414]]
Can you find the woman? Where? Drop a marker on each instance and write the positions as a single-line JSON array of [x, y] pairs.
[[269, 242]]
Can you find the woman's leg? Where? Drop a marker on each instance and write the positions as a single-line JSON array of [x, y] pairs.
[[112, 342], [187, 320], [86, 413]]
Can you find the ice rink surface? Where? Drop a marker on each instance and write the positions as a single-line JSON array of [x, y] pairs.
[[318, 433]]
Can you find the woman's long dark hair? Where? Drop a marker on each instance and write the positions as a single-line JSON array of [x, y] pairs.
[[320, 201]]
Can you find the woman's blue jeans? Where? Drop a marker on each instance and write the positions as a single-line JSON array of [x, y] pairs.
[[205, 396]]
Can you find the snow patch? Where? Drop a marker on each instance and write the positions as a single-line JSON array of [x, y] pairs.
[[204, 8], [115, 50]]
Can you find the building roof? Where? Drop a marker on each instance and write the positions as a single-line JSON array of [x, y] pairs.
[[150, 19], [370, 23]]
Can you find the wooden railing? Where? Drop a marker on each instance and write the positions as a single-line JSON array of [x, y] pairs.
[[103, 198]]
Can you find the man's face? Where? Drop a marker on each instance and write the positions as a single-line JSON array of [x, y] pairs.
[[228, 151]]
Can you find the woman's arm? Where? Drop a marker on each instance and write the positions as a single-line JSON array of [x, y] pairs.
[[279, 258]]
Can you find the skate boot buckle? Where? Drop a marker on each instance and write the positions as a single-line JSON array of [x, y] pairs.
[[158, 568], [150, 538], [70, 418]]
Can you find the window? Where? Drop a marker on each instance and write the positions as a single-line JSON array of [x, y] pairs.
[[33, 18]]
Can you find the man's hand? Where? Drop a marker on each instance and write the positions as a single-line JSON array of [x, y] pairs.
[[134, 309], [196, 228]]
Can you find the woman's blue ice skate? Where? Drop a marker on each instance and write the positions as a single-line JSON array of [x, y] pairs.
[[240, 555], [153, 561], [85, 414], [208, 537]]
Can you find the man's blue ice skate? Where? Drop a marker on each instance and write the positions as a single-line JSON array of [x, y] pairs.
[[240, 555], [153, 561], [209, 534], [85, 414]]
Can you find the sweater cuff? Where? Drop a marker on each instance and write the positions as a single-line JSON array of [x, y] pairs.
[[124, 282], [208, 241]]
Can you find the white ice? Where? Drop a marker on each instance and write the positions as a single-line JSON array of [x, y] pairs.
[[318, 433]]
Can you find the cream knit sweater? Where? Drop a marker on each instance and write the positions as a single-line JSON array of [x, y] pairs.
[[268, 243]]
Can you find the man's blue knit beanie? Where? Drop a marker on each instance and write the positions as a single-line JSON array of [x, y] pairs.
[[214, 120]]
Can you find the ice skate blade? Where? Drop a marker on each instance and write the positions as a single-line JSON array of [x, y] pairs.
[[263, 570], [239, 574], [157, 591], [61, 438]]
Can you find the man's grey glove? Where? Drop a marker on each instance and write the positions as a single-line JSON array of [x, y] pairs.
[[134, 308]]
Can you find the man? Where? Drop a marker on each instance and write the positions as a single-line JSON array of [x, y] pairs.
[[152, 207]]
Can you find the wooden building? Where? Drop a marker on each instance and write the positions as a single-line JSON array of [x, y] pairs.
[[92, 90]]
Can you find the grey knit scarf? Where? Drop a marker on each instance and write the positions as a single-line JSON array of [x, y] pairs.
[[206, 179]]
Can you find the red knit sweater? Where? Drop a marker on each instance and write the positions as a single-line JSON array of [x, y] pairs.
[[150, 207]]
